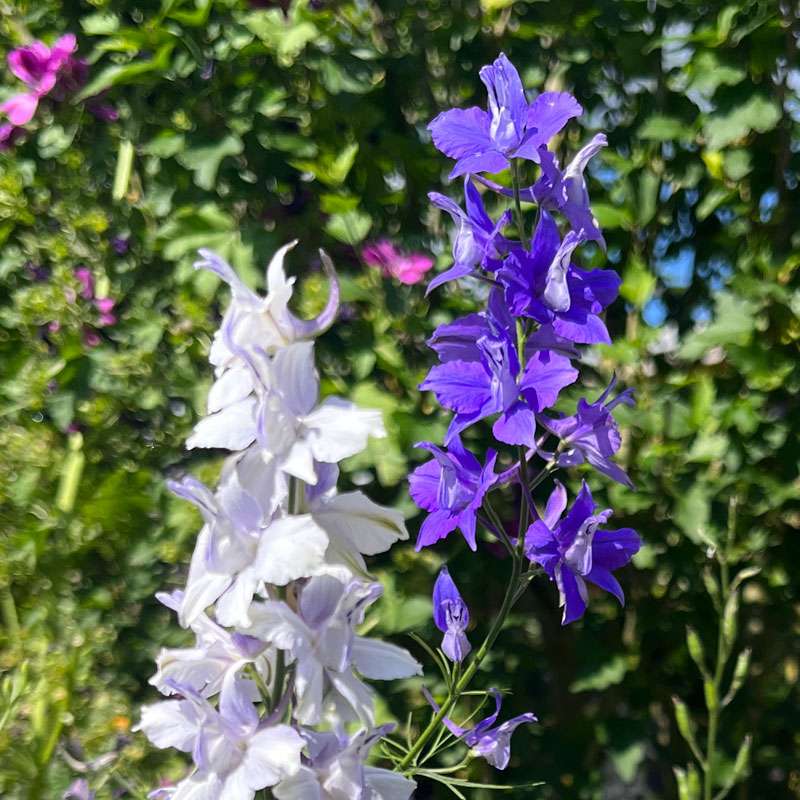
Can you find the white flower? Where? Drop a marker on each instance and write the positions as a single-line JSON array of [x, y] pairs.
[[217, 652], [235, 753], [266, 321], [283, 417], [237, 551], [320, 640], [336, 771]]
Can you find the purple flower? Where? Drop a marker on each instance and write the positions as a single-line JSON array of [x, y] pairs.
[[451, 615], [477, 241], [544, 285], [591, 435], [451, 487], [486, 379], [573, 550], [491, 743], [512, 128], [563, 191], [121, 244]]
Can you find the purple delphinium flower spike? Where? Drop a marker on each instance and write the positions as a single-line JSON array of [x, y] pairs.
[[573, 550], [493, 744], [591, 435], [451, 487], [451, 615], [477, 241], [543, 285], [483, 141]]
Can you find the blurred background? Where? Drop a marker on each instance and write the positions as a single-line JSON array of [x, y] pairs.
[[239, 126]]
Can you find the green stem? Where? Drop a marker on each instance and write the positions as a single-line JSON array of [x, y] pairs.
[[721, 658], [469, 672], [515, 183]]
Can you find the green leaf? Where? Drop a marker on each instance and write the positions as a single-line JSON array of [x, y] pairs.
[[712, 201], [662, 128], [71, 472], [286, 38], [709, 73], [734, 323], [205, 160], [757, 114], [627, 760], [126, 73], [693, 512], [609, 216], [602, 675], [350, 227], [638, 282], [329, 168], [102, 23]]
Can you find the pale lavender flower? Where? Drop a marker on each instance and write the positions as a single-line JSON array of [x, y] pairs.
[[235, 752], [320, 640], [491, 743], [336, 770]]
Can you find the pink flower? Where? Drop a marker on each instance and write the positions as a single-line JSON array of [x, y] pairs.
[[407, 268], [85, 279], [105, 305], [47, 71], [38, 67]]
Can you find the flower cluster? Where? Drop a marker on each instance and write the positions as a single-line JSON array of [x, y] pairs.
[[277, 585], [47, 72], [508, 364]]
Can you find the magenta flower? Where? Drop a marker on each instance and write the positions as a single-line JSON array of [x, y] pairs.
[[105, 306], [407, 268], [38, 67], [85, 279], [46, 71]]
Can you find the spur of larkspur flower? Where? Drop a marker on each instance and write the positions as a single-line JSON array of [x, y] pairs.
[[574, 549], [451, 615], [491, 743], [563, 191], [484, 141]]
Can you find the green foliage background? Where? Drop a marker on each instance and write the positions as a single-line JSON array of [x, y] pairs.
[[242, 127]]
